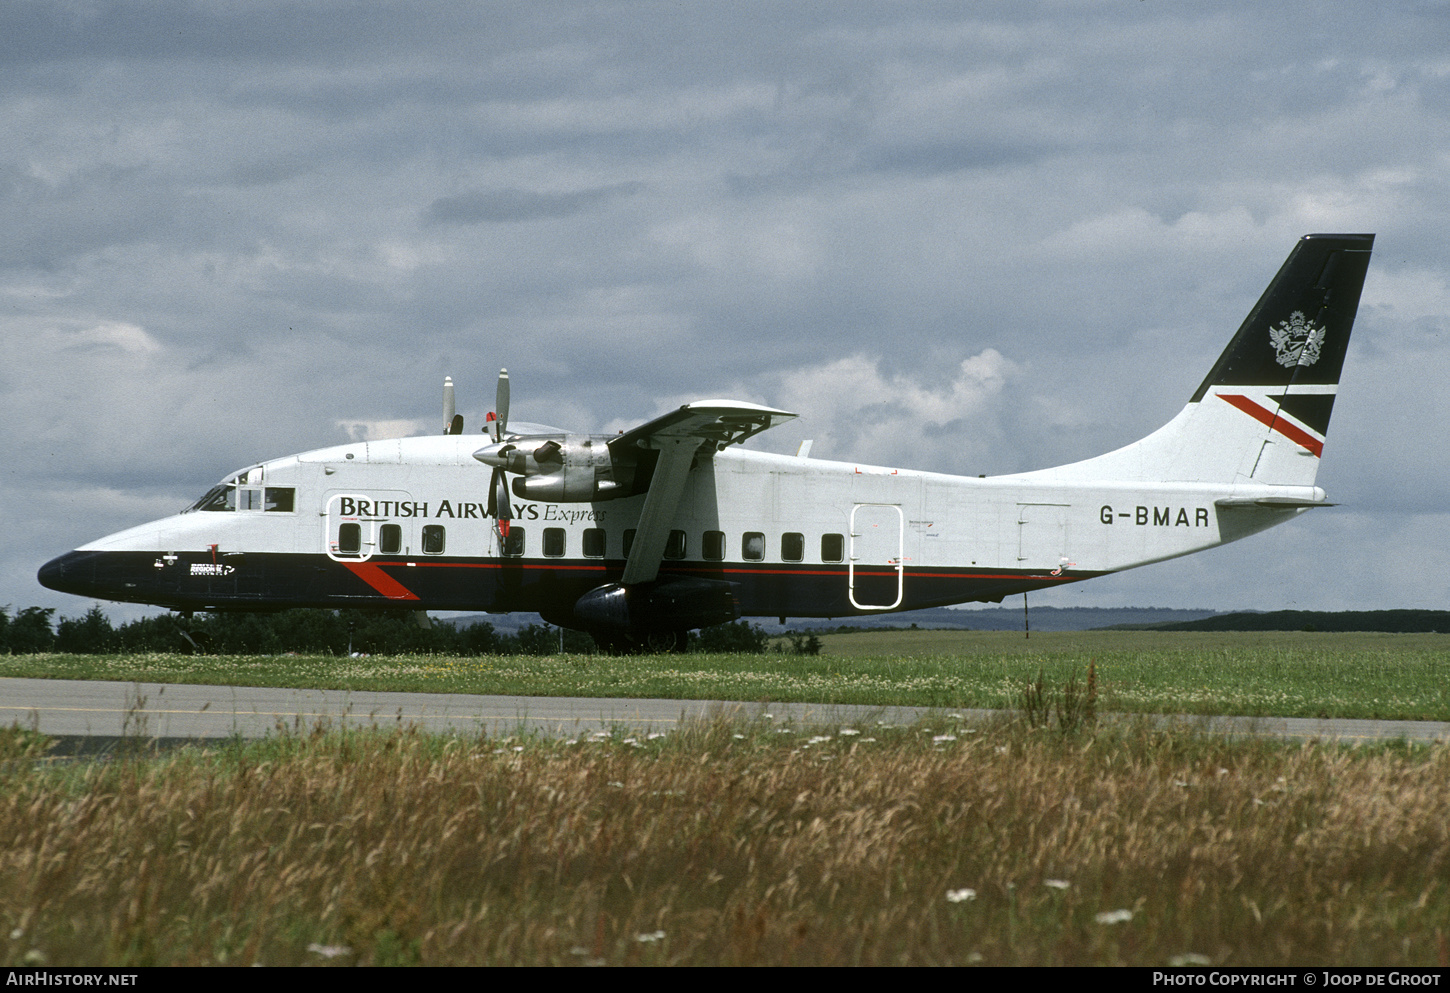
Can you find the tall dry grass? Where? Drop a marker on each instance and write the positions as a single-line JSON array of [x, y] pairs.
[[725, 844]]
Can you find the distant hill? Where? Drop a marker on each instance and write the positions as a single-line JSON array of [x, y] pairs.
[[989, 619], [1397, 621]]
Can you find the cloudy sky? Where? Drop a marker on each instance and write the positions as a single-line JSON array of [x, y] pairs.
[[966, 237]]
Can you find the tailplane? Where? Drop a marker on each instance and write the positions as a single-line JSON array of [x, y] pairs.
[[1262, 412]]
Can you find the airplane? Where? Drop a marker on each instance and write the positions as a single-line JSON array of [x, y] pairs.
[[641, 536]]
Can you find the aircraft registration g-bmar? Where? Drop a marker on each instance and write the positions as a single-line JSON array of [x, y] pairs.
[[640, 536]]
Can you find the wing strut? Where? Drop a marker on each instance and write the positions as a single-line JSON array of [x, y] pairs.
[[676, 454]]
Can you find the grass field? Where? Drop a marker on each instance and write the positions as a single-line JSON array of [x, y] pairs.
[[730, 844], [1287, 674]]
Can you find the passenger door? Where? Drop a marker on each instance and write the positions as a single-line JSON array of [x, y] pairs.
[[874, 571]]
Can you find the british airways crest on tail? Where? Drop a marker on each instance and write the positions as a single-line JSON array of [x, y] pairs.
[[1296, 341]]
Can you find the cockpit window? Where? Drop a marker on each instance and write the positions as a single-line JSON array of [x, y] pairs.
[[221, 497], [228, 496]]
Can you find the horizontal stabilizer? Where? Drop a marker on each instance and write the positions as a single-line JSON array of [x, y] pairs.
[[1273, 503]]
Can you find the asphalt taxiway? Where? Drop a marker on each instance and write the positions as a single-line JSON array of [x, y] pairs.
[[104, 712]]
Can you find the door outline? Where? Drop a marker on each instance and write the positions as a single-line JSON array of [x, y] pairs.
[[369, 540], [898, 561]]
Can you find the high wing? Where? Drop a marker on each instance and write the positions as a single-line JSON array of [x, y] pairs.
[[695, 429]]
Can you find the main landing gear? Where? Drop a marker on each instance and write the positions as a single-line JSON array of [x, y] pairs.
[[658, 641]]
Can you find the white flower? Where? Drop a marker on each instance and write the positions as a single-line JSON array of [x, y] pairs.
[[650, 937], [1057, 884], [958, 896], [849, 731], [329, 951], [945, 737], [1114, 917]]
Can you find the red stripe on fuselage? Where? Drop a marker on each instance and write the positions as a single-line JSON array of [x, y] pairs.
[[1267, 417], [373, 575]]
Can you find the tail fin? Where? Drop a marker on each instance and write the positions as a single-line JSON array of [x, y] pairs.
[[1262, 412]]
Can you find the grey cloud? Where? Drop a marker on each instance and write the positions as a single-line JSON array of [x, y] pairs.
[[508, 205]]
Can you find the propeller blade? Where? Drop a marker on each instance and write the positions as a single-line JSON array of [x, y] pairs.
[[448, 414], [501, 405], [498, 504]]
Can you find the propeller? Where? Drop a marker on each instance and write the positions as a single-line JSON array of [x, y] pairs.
[[452, 423], [500, 508]]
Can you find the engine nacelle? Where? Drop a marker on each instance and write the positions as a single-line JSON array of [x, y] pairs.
[[560, 469], [616, 611], [571, 484]]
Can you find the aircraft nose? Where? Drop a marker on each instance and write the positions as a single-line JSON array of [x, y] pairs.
[[52, 575]]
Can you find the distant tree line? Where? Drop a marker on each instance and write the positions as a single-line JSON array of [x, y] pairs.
[[372, 631], [1388, 621]]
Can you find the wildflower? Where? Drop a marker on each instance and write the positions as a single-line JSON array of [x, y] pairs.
[[739, 736], [651, 936], [1114, 917], [657, 734], [945, 737], [329, 951], [849, 731], [963, 894], [1057, 884]]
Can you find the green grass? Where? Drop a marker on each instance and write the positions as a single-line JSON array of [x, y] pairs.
[[730, 843], [1289, 674]]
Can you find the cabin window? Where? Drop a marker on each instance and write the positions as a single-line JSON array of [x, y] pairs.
[[713, 547], [390, 539], [752, 546], [792, 546], [282, 499], [675, 546], [594, 542], [249, 499], [553, 542], [221, 497], [433, 539], [833, 547], [628, 541], [513, 545], [349, 539]]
